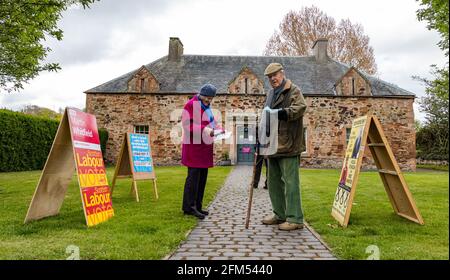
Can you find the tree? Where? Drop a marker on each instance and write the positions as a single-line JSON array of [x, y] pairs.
[[299, 30], [41, 112], [432, 142], [432, 138], [417, 125], [24, 25], [435, 12]]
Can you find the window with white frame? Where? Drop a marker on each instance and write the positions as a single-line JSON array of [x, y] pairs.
[[143, 129]]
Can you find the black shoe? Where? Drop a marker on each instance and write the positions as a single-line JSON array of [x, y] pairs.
[[204, 212], [195, 213]]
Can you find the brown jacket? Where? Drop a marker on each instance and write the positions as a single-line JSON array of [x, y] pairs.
[[290, 132]]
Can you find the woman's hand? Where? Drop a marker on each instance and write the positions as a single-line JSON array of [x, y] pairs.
[[209, 131]]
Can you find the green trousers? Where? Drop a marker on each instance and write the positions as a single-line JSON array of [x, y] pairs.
[[284, 189]]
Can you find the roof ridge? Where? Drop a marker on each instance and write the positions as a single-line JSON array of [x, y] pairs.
[[247, 56]]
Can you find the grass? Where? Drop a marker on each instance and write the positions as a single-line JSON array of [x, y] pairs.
[[150, 229], [373, 221], [433, 167]]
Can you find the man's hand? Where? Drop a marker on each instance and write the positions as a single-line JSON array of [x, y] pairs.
[[282, 114], [267, 109]]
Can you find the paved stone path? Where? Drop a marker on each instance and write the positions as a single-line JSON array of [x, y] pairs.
[[222, 235]]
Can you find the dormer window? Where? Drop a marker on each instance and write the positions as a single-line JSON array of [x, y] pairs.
[[246, 82], [143, 81], [246, 86], [353, 83], [142, 85], [353, 86]]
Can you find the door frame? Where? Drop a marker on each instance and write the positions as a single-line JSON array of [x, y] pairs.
[[237, 126]]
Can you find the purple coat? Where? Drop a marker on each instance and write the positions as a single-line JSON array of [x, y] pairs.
[[197, 148]]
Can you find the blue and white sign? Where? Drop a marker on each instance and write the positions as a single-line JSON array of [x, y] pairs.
[[140, 152]]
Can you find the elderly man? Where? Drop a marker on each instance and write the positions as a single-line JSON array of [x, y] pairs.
[[199, 129], [286, 103]]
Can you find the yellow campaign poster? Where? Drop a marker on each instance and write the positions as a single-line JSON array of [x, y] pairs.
[[92, 179], [349, 166]]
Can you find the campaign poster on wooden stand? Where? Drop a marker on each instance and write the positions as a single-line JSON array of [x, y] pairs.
[[76, 147], [367, 132], [135, 160], [348, 178]]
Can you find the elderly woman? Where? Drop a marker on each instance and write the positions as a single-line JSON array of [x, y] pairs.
[[199, 129]]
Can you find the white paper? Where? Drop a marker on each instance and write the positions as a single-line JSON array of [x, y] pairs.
[[222, 136], [269, 144]]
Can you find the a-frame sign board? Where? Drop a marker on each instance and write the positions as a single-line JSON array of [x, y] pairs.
[[367, 131], [76, 147], [135, 161]]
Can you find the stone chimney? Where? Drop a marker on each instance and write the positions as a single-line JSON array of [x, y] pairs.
[[320, 50], [175, 49]]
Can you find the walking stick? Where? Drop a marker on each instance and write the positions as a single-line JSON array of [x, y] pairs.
[[250, 196]]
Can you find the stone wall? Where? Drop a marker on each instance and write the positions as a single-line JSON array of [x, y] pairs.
[[326, 121], [328, 118], [143, 81], [352, 83], [119, 113], [246, 82]]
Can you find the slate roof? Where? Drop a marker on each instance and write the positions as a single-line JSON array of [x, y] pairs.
[[188, 75]]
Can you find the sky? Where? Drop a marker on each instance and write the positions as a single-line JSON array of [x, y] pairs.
[[114, 37]]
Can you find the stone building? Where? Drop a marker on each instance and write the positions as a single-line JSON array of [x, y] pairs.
[[150, 99]]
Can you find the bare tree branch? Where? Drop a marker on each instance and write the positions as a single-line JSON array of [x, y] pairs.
[[298, 31]]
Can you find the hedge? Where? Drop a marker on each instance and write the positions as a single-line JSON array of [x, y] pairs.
[[432, 142], [25, 141], [103, 135]]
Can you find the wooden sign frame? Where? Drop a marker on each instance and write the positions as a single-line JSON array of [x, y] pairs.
[[59, 169], [388, 169], [125, 169]]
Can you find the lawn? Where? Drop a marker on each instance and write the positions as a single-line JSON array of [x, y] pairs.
[[373, 221], [150, 229], [433, 167]]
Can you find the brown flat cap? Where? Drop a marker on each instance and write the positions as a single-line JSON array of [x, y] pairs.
[[272, 68]]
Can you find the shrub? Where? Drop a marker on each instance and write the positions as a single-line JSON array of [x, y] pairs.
[[103, 134], [25, 141], [432, 142]]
